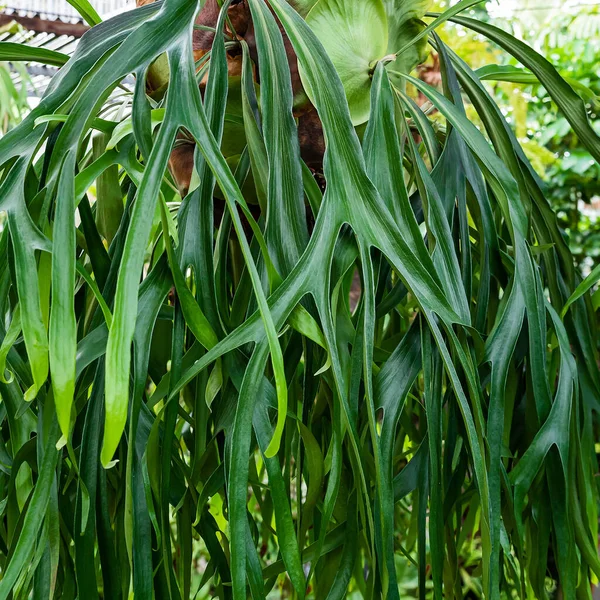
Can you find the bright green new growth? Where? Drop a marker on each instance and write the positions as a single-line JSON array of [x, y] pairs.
[[219, 394]]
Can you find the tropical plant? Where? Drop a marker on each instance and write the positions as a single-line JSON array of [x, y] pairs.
[[191, 403]]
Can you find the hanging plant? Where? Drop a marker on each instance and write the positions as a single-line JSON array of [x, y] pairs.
[[193, 406]]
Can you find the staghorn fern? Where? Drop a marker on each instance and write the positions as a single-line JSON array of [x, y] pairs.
[[188, 372]]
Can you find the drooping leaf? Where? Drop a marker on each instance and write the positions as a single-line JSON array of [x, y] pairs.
[[332, 378]]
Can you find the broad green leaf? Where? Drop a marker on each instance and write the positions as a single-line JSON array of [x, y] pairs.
[[355, 36]]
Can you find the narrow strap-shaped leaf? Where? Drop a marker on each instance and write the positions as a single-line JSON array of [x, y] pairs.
[[118, 351], [63, 327], [34, 518], [86, 10], [26, 238], [238, 467], [583, 288], [196, 214], [500, 348], [339, 588], [560, 91], [10, 338], [207, 144], [286, 231], [288, 542], [440, 19], [383, 158], [11, 51], [432, 373]]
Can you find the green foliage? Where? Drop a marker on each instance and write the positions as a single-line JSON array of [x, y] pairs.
[[355, 36], [191, 404], [569, 37], [13, 98], [573, 179]]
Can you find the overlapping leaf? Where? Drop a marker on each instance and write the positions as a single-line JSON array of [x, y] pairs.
[[217, 391]]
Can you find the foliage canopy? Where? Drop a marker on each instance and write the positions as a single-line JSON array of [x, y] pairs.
[[181, 362]]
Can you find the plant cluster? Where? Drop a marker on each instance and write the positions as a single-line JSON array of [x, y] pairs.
[[268, 330]]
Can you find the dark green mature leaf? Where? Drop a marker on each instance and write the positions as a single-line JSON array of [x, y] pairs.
[[560, 91]]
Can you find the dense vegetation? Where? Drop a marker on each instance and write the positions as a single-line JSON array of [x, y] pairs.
[[568, 34], [288, 321]]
